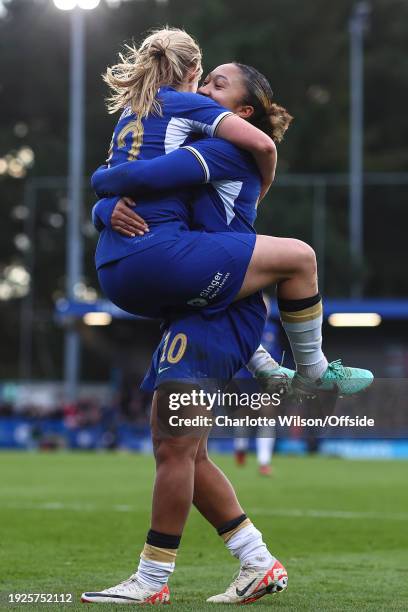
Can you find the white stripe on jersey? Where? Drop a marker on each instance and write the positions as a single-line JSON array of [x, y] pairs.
[[228, 192], [201, 160], [179, 129], [218, 120]]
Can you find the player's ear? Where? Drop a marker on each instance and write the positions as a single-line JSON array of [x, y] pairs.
[[245, 111], [195, 74]]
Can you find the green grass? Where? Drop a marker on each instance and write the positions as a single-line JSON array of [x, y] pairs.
[[351, 561]]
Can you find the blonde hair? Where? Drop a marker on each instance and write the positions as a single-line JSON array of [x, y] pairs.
[[268, 116], [166, 57]]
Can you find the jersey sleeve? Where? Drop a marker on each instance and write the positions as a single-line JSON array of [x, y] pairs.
[[203, 113], [102, 212], [211, 159], [222, 160], [173, 171]]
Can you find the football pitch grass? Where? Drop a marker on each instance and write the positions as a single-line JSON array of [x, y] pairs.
[[77, 522]]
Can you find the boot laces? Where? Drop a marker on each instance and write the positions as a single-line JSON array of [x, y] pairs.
[[132, 581], [339, 369]]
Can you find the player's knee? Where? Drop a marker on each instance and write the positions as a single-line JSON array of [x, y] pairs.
[[175, 450], [306, 258]]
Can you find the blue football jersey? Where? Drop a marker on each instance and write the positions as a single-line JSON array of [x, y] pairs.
[[183, 115], [228, 202], [225, 200], [226, 187]]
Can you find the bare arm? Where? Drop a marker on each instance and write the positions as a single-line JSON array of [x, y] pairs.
[[248, 137]]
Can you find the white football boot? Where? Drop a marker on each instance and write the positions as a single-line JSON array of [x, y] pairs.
[[130, 591], [253, 583]]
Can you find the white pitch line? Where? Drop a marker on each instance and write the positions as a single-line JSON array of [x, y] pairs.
[[74, 507], [331, 514], [291, 512]]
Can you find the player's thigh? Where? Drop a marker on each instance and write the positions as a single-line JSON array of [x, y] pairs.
[[274, 260], [177, 426]]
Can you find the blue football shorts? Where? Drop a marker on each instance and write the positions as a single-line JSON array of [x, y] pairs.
[[180, 272], [208, 352]]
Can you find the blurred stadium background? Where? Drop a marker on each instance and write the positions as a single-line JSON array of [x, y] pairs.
[[70, 363]]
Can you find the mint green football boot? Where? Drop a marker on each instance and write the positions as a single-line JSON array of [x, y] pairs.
[[337, 378]]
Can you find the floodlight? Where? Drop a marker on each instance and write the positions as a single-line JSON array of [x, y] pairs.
[[65, 5], [97, 318], [354, 319]]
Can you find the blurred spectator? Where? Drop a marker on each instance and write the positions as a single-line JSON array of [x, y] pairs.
[[130, 406]]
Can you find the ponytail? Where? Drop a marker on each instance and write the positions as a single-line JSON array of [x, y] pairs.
[[166, 57], [275, 122]]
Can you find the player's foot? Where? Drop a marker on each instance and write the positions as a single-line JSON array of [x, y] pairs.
[[240, 457], [277, 380], [130, 591], [265, 470], [337, 378], [252, 584]]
